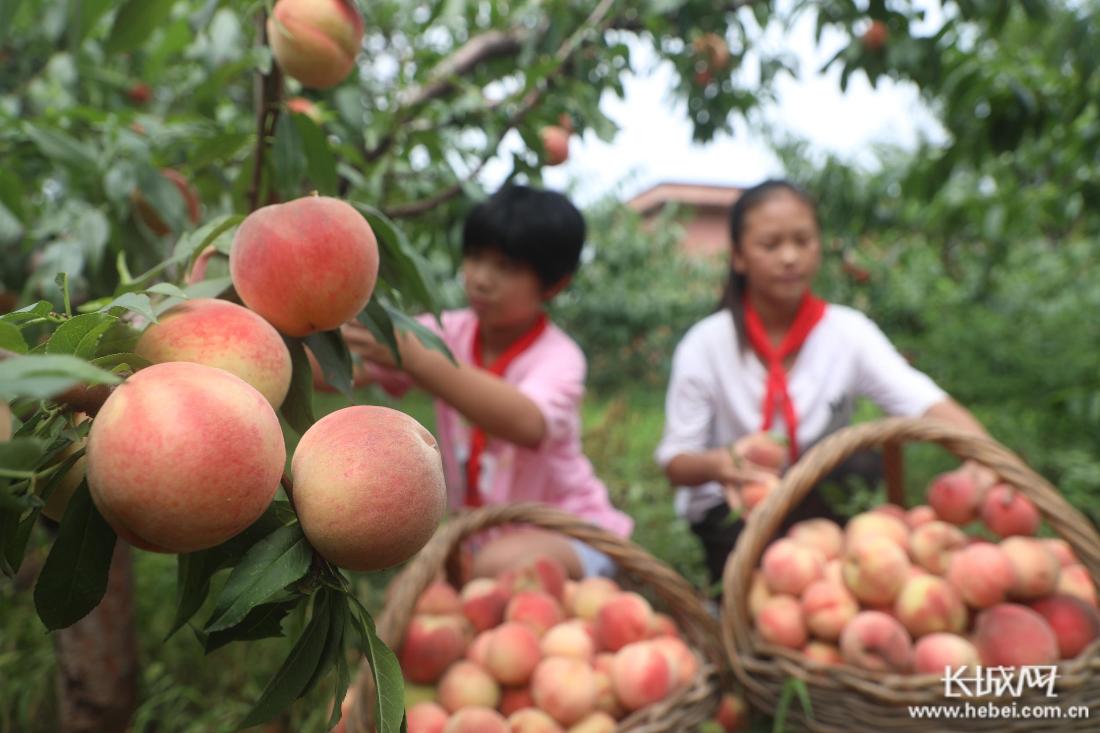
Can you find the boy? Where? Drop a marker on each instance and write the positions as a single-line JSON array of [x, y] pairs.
[[508, 414]]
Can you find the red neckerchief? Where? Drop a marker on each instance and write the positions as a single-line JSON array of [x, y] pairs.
[[810, 311], [478, 438]]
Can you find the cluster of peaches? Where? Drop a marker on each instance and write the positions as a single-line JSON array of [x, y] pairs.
[[911, 592], [532, 652]]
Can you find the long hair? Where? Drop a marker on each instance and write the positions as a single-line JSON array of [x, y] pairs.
[[734, 292]]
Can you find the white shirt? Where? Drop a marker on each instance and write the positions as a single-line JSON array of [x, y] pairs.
[[716, 390]]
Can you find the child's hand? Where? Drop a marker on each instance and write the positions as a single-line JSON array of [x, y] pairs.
[[360, 340]]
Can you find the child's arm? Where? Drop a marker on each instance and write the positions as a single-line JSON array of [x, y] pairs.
[[487, 401]]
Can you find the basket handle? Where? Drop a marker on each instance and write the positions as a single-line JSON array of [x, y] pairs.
[[1067, 521]]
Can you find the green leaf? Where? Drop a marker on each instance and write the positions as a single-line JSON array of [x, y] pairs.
[[74, 577], [62, 148], [135, 23], [195, 569], [377, 319], [427, 336], [33, 312], [11, 338], [44, 376], [320, 162], [22, 454], [288, 156], [83, 15], [262, 622], [192, 244], [172, 291], [389, 685], [164, 198], [16, 524], [400, 265], [298, 669], [122, 361], [339, 618], [135, 302], [342, 680], [275, 562], [297, 408], [333, 356], [71, 334]]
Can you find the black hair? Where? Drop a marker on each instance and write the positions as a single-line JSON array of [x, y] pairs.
[[540, 228], [749, 199]]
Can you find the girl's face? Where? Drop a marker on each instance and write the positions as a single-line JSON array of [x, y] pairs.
[[500, 290], [780, 249]]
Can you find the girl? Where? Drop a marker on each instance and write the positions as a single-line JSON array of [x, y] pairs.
[[774, 357]]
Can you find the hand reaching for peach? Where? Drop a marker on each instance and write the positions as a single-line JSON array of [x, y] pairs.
[[752, 471]]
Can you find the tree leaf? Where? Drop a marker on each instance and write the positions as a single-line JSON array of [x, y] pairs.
[[320, 162], [74, 577], [21, 454], [389, 685], [272, 564], [28, 313], [41, 376], [339, 618], [333, 356], [11, 338], [400, 265], [135, 302], [288, 156], [262, 622], [377, 319], [297, 408], [195, 569], [69, 335], [135, 22], [62, 148], [298, 669], [427, 336]]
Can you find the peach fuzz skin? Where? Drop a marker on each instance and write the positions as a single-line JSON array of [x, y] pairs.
[[306, 265], [368, 487], [315, 41], [182, 456], [221, 334]]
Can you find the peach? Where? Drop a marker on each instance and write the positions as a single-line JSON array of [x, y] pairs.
[[824, 534], [681, 660], [603, 662], [1075, 623], [513, 699], [476, 719], [484, 602], [935, 653], [875, 568], [764, 450], [1062, 550], [590, 594], [512, 653], [822, 652], [302, 106], [758, 592], [834, 571], [569, 595], [754, 492], [789, 566], [536, 609], [733, 713], [892, 510], [315, 41], [927, 604], [642, 675], [306, 265], [1007, 512], [479, 648], [414, 694], [605, 692], [568, 639], [1075, 580], [426, 717], [439, 598], [221, 334], [982, 574], [182, 456], [876, 524], [955, 497], [565, 688], [920, 515], [662, 625], [555, 144], [202, 264], [464, 685], [542, 574], [431, 644], [597, 722], [1011, 635], [153, 218], [876, 642], [932, 544], [622, 619], [1036, 567], [532, 720], [368, 487], [780, 622], [827, 607]]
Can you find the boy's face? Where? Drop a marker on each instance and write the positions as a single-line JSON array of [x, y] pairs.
[[500, 290]]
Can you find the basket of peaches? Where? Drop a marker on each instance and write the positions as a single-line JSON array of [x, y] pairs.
[[973, 611], [531, 651]]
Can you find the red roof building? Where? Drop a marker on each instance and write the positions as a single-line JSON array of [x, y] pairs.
[[704, 213]]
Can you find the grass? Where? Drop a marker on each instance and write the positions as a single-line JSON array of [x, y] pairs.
[[182, 691]]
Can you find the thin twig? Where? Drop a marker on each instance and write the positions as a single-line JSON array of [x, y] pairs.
[[267, 89]]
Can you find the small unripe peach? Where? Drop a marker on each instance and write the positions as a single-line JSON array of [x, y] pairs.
[[555, 144]]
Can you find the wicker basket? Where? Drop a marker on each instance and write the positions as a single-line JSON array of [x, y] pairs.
[[845, 698], [679, 713]]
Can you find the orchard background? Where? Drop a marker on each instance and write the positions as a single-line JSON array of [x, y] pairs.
[[978, 255]]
